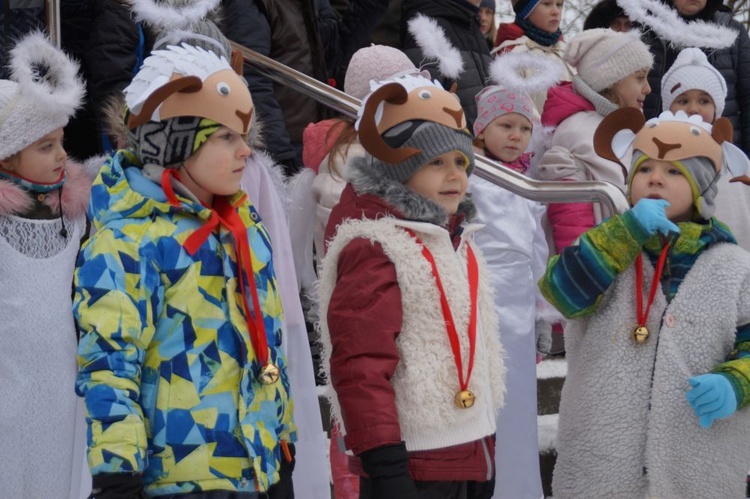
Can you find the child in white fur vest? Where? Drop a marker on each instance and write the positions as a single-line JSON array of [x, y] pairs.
[[407, 318], [659, 360]]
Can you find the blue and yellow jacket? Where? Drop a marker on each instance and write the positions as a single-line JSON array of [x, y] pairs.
[[166, 364]]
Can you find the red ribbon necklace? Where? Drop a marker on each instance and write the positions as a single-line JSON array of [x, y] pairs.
[[224, 213], [640, 333], [464, 397]]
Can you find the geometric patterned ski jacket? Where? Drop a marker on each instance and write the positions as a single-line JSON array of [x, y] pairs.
[[166, 366]]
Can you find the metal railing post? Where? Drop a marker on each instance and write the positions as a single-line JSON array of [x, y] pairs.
[[52, 18]]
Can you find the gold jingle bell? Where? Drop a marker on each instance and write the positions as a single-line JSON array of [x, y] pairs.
[[269, 374], [640, 334], [464, 399]]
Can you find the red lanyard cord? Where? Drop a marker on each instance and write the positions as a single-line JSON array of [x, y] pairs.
[[450, 325], [641, 315], [223, 213]]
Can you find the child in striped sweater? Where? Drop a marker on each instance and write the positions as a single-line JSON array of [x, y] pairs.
[[659, 360]]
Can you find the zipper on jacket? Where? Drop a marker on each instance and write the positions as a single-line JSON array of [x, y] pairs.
[[488, 461]]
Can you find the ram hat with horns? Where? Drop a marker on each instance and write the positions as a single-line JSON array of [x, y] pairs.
[[179, 97], [700, 150], [407, 121]]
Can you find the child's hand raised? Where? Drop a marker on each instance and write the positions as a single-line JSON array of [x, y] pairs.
[[712, 397], [652, 215]]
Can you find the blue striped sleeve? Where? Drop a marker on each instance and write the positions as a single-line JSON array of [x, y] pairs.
[[576, 279]]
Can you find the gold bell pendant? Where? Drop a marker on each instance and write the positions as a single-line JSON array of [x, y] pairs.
[[269, 374], [464, 399], [640, 334]]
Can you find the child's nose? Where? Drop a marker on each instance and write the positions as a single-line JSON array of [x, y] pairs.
[[244, 151], [655, 178]]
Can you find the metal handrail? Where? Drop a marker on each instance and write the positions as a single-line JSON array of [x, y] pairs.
[[605, 193], [52, 15]]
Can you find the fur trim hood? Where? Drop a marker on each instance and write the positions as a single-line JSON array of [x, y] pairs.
[[407, 204], [14, 200]]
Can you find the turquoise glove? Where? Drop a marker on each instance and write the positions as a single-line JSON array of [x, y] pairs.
[[652, 215], [711, 397]]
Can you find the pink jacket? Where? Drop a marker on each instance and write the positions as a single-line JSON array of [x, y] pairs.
[[571, 157]]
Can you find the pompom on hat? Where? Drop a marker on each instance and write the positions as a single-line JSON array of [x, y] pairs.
[[178, 98], [374, 63], [407, 121], [603, 57], [42, 95], [701, 151], [692, 71]]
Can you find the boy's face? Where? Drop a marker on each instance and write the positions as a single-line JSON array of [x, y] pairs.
[[442, 180], [216, 167], [659, 179], [546, 15], [42, 162], [507, 136], [695, 102], [633, 89]]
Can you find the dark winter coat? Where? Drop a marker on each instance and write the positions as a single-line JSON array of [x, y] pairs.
[[306, 35], [104, 38], [16, 20], [460, 21], [734, 65]]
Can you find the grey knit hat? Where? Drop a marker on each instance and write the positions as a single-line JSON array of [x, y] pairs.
[[431, 138], [703, 180], [169, 142]]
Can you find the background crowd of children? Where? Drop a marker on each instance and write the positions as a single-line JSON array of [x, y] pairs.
[[163, 281]]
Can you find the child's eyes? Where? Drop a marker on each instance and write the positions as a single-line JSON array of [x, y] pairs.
[[526, 129], [436, 162], [674, 171], [705, 102], [644, 169]]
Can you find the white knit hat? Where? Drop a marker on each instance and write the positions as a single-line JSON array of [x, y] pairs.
[[692, 71], [42, 95], [603, 57], [376, 62]]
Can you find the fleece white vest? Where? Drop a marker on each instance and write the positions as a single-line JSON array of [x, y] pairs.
[[626, 429], [426, 380]]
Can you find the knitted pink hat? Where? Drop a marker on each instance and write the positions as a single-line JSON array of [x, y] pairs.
[[376, 62], [495, 101]]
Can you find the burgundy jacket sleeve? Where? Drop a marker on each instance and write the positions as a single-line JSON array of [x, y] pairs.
[[364, 320]]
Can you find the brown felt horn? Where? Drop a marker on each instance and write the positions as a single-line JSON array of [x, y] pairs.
[[626, 118], [186, 84], [369, 135], [722, 130]]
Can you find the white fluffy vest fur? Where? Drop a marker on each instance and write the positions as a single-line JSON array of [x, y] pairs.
[[426, 380], [627, 433]]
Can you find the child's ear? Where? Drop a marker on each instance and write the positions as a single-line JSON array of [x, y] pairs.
[[7, 164]]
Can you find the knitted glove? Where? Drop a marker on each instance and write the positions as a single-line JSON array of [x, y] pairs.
[[711, 397], [652, 215], [117, 486], [388, 469], [543, 330]]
